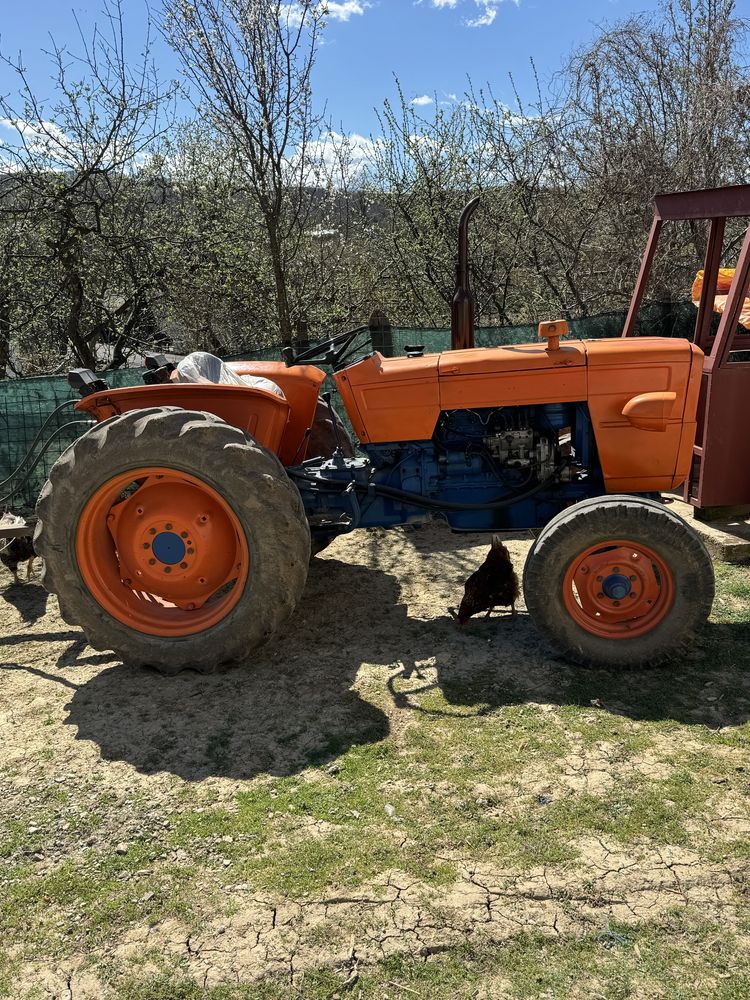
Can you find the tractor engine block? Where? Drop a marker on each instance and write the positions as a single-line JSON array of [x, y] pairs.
[[495, 469], [515, 438], [522, 450]]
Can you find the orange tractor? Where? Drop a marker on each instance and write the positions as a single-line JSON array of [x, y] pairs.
[[178, 530]]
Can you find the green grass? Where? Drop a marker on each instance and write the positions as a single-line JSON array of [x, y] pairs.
[[678, 959], [480, 771]]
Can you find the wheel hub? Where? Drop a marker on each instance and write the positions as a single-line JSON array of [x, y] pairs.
[[162, 551], [616, 586], [168, 548]]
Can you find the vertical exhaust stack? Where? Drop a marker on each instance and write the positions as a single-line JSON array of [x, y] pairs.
[[462, 306]]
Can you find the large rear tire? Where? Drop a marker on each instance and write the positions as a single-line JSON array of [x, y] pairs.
[[619, 581], [173, 539]]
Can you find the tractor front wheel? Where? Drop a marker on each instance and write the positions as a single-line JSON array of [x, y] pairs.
[[173, 539], [619, 581]]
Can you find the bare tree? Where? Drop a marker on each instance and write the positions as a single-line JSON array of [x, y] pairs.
[[250, 63], [657, 103], [70, 174]]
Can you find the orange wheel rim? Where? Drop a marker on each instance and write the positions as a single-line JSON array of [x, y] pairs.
[[618, 589], [162, 552]]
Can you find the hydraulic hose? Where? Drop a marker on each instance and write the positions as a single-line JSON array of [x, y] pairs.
[[417, 500]]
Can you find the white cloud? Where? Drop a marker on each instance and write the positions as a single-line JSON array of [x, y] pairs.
[[488, 10], [343, 11], [336, 158], [338, 10], [43, 139], [486, 18], [423, 101]]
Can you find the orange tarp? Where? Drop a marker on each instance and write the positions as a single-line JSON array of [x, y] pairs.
[[726, 275]]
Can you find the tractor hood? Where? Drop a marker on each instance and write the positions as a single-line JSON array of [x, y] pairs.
[[400, 399]]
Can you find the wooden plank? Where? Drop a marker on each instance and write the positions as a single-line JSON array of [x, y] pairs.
[[17, 531]]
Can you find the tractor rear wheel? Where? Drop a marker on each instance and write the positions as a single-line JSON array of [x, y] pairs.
[[173, 539], [619, 581]]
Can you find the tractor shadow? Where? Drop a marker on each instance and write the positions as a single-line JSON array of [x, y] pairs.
[[502, 662], [29, 599], [293, 707], [296, 704]]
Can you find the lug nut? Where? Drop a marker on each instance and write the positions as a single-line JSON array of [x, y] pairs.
[[183, 565], [183, 534], [616, 604], [616, 569], [167, 527], [584, 570], [152, 531], [190, 551], [167, 569], [633, 579], [599, 579], [146, 545], [600, 594], [152, 562]]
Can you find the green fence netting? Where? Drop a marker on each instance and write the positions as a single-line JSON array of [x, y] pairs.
[[35, 426]]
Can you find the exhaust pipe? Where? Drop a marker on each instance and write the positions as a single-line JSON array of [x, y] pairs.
[[462, 306]]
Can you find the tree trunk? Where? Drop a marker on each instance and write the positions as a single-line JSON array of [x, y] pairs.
[[4, 337], [73, 331], [279, 277]]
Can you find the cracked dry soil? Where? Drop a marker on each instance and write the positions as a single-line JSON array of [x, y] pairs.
[[112, 779]]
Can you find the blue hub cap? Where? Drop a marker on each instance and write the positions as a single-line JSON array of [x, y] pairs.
[[168, 548], [616, 586]]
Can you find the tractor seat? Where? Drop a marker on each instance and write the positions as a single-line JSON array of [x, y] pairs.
[[200, 366]]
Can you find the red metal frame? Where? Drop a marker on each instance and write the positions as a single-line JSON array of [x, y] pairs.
[[720, 473]]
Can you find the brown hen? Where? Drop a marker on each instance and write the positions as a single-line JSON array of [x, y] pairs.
[[494, 584]]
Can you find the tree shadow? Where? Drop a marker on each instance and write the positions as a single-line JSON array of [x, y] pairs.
[[291, 707]]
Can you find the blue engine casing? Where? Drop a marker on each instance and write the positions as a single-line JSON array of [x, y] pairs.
[[498, 469]]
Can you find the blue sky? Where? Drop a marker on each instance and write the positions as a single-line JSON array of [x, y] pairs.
[[431, 45]]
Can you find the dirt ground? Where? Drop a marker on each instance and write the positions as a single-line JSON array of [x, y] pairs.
[[471, 783]]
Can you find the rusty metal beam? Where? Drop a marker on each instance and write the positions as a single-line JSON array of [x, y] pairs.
[[730, 317], [710, 275], [643, 276], [711, 203]]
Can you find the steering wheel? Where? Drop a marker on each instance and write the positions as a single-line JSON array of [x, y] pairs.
[[329, 352]]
